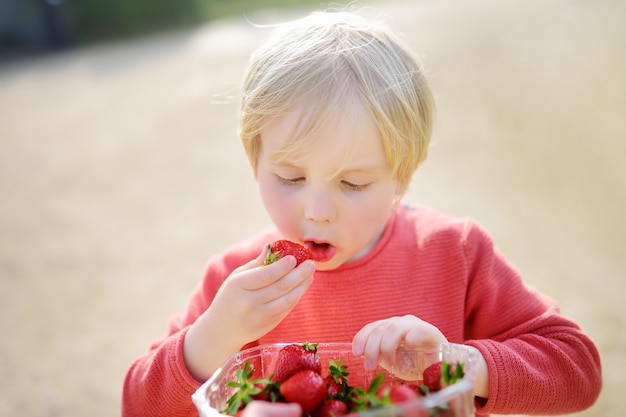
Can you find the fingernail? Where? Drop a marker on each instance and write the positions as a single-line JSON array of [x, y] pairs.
[[310, 265], [369, 365], [292, 260]]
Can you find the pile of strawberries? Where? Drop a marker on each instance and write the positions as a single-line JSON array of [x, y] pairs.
[[298, 378]]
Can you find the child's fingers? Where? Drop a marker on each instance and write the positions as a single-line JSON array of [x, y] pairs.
[[285, 292], [367, 342], [267, 275], [390, 342], [360, 339], [379, 341], [293, 279], [255, 274], [255, 263], [424, 336]]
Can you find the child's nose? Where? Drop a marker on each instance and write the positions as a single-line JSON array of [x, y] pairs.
[[319, 207]]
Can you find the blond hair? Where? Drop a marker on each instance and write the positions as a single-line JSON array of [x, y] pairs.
[[329, 61]]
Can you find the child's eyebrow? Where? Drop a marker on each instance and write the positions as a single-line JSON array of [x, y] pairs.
[[285, 164], [367, 171], [364, 169]]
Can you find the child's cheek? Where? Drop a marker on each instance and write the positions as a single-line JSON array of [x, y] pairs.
[[280, 206]]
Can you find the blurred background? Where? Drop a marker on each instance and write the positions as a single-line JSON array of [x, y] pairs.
[[37, 26], [121, 171]]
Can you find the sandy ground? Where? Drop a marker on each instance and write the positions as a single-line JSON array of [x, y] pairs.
[[121, 172]]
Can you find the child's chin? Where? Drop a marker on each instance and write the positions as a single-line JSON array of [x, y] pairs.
[[326, 266]]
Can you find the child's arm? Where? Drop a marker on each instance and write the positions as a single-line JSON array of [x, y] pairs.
[[547, 365], [220, 317], [250, 303], [534, 360], [539, 361]]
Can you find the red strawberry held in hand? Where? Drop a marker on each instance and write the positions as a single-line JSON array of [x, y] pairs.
[[282, 248], [294, 358], [306, 388]]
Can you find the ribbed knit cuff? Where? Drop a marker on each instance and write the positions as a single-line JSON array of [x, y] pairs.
[[496, 369]]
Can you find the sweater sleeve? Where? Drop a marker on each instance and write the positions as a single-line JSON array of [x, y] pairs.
[[158, 382], [539, 361]]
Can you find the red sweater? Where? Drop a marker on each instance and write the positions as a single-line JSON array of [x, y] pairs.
[[442, 269]]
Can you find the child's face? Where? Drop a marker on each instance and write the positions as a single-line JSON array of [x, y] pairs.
[[335, 196]]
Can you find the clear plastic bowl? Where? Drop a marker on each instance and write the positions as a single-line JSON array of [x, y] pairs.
[[456, 400]]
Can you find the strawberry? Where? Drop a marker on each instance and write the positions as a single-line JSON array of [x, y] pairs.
[[337, 381], [331, 408], [294, 358], [395, 394], [282, 248], [432, 377], [306, 388], [333, 388], [404, 397], [442, 374], [399, 393]]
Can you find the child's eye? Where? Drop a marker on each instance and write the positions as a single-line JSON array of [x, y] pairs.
[[290, 181], [355, 187]]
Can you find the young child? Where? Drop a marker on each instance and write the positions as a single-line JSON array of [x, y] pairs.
[[336, 116]]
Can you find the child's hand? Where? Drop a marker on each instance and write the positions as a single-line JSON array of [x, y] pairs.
[[256, 297], [250, 303], [378, 342], [269, 409]]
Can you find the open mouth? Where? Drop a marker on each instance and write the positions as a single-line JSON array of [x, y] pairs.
[[321, 251]]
